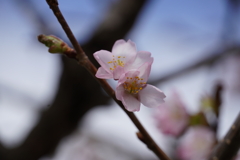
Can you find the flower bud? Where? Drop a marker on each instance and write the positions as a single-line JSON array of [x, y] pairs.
[[55, 44]]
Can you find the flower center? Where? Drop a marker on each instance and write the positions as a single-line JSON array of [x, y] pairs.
[[119, 61], [134, 84]]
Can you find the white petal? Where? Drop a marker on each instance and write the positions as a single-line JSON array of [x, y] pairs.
[[103, 57], [125, 49], [151, 96], [103, 74], [131, 103]]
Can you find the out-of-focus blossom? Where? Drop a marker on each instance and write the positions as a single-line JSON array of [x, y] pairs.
[[132, 89], [196, 144], [123, 58], [172, 117]]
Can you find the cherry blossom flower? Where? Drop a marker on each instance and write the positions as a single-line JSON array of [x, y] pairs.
[[172, 117], [196, 144], [124, 57], [132, 89]]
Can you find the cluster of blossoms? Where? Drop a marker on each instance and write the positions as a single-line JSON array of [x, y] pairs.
[[195, 141], [131, 69]]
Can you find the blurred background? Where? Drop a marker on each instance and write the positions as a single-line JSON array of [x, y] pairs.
[[51, 108]]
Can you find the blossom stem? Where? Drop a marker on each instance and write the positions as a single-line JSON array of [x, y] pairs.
[[86, 63]]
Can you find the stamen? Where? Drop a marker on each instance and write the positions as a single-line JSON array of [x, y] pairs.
[[117, 62], [132, 85]]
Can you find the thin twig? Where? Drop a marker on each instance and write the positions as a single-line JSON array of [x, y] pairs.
[[217, 97], [228, 147], [84, 61]]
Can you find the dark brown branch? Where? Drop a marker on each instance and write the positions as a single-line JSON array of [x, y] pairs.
[[83, 60], [76, 89], [217, 101], [228, 147], [204, 61], [53, 4], [218, 98]]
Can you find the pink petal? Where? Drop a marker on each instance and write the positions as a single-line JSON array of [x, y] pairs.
[[119, 91], [118, 71], [133, 73], [151, 96], [142, 57], [103, 57], [172, 119], [145, 71], [103, 74], [131, 103], [125, 49], [190, 147]]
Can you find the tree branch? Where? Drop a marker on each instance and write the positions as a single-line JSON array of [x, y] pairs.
[[228, 147], [83, 60]]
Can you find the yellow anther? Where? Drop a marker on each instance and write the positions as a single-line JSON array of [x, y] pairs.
[[119, 56]]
